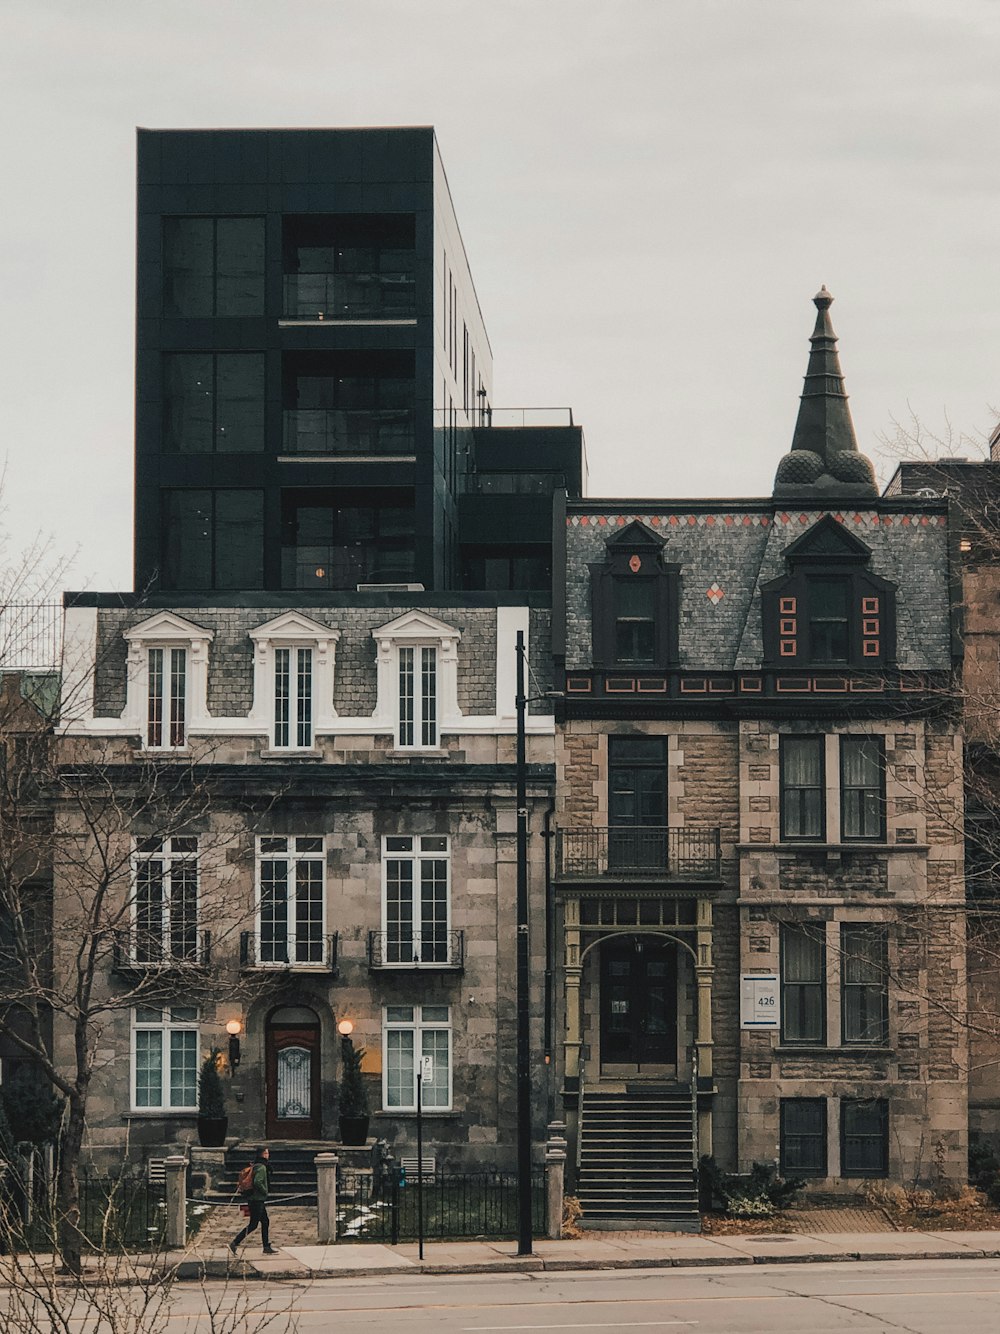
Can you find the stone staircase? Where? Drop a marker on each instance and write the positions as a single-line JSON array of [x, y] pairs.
[[636, 1159]]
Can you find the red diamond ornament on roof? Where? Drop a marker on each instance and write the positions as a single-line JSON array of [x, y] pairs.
[[714, 594]]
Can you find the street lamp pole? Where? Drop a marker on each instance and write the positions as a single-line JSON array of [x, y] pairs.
[[523, 1047]]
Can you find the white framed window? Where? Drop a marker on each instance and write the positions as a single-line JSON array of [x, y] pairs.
[[291, 900], [418, 696], [294, 662], [165, 900], [417, 661], [167, 683], [165, 1058], [416, 898], [166, 698], [293, 698], [411, 1032]]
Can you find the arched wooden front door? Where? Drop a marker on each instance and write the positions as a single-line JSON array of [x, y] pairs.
[[293, 1110]]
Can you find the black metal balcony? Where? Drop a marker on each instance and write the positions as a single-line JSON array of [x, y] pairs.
[[444, 951], [137, 954], [631, 853], [315, 953], [350, 296], [373, 432]]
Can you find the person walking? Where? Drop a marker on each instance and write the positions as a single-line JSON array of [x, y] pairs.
[[257, 1199]]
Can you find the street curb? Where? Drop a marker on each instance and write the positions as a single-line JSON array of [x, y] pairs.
[[195, 1271], [209, 1269]]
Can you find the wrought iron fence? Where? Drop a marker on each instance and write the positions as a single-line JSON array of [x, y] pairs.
[[634, 852], [454, 1205], [116, 1212]]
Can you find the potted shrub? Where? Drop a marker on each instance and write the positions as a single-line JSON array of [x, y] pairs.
[[212, 1119], [352, 1102]]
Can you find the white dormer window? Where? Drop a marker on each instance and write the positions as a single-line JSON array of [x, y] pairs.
[[167, 686], [417, 679], [293, 680]]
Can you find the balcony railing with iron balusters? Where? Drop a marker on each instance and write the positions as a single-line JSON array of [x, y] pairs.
[[407, 950], [138, 953], [317, 953], [634, 853]]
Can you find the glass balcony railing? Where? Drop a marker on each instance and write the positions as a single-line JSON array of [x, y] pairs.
[[355, 431], [350, 296]]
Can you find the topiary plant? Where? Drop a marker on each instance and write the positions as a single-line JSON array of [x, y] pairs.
[[211, 1094], [353, 1097]]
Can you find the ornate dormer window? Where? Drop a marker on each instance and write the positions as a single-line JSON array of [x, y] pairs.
[[166, 692], [634, 599], [417, 662], [294, 662], [829, 610]]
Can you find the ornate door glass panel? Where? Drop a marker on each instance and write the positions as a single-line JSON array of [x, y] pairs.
[[294, 1084]]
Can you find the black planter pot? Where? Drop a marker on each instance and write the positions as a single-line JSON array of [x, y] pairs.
[[353, 1130], [212, 1131]]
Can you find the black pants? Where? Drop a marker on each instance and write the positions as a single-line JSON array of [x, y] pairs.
[[258, 1217]]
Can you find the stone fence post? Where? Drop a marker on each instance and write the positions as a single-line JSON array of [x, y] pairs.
[[175, 1181], [326, 1197], [555, 1179]]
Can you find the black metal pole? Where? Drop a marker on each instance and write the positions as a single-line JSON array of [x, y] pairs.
[[420, 1161], [523, 1048]]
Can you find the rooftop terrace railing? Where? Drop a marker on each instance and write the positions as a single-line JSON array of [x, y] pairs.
[[30, 636]]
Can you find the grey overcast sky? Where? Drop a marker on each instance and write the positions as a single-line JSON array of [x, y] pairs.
[[650, 192]]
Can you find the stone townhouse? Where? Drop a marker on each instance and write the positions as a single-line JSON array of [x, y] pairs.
[[759, 862], [336, 843]]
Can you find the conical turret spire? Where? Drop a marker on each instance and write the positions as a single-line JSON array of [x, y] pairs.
[[824, 457]]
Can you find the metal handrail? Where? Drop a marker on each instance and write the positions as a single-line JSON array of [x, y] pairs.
[[695, 1155]]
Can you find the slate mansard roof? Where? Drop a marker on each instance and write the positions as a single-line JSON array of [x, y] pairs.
[[728, 549]]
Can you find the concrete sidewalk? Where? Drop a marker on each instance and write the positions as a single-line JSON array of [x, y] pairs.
[[667, 1250], [609, 1251]]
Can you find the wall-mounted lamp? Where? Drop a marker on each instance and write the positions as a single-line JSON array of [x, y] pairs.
[[345, 1028], [234, 1028]]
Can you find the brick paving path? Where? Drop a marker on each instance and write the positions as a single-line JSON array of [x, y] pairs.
[[836, 1220], [290, 1226]]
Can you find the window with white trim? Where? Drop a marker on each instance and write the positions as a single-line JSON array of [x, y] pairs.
[[165, 900], [166, 698], [293, 698], [166, 687], [165, 1058], [416, 899], [291, 883], [418, 696], [410, 1033]]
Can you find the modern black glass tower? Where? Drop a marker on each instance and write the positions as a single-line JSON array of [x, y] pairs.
[[314, 379]]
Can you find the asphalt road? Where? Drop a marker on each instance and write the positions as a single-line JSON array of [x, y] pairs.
[[958, 1296]]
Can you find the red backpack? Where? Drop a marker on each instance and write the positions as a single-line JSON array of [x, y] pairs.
[[244, 1182]]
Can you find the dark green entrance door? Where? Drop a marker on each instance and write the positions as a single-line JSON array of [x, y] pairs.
[[638, 1002]]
